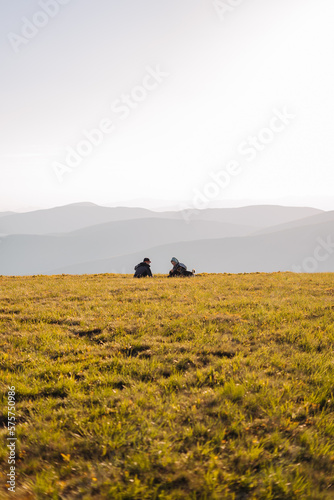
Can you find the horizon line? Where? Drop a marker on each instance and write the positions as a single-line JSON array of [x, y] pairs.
[[171, 208]]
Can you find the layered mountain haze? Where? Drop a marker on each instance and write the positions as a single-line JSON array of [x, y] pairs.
[[317, 219], [68, 218], [88, 239], [41, 254], [80, 215], [263, 216], [274, 252]]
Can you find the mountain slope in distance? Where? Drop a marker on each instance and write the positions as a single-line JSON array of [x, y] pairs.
[[39, 254], [275, 252], [78, 216]]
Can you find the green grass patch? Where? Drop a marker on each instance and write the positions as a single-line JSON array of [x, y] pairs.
[[214, 387]]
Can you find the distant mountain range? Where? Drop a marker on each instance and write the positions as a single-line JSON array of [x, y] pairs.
[[85, 239]]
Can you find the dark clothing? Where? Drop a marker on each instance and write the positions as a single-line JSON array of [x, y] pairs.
[[142, 270], [179, 270]]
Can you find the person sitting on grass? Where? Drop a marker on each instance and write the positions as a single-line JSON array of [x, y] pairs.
[[143, 269], [179, 269]]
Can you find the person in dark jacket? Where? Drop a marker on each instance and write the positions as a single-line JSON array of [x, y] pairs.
[[179, 269], [143, 269]]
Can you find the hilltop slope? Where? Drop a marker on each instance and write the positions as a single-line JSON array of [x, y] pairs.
[[213, 387]]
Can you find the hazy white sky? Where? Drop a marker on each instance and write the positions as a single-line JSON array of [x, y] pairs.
[[181, 88]]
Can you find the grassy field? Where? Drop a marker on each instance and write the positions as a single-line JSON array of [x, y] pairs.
[[213, 387]]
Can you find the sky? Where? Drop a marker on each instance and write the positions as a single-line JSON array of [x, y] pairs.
[[190, 103]]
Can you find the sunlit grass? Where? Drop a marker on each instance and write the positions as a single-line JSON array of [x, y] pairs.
[[213, 387]]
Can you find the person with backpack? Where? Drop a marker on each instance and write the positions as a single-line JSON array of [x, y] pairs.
[[179, 269], [143, 269]]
